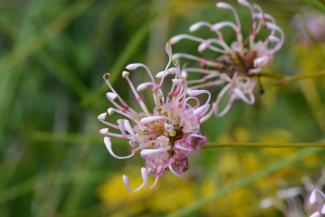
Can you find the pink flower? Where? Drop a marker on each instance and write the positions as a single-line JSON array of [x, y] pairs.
[[233, 65], [166, 134]]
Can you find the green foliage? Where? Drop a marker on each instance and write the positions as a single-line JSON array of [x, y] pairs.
[[52, 58]]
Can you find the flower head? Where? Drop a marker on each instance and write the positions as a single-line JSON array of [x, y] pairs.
[[234, 64], [310, 27], [164, 135], [300, 201]]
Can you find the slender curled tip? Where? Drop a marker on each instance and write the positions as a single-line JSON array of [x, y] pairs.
[[125, 74], [162, 74], [218, 26], [272, 26], [103, 131], [273, 38], [244, 3], [196, 26], [173, 70], [203, 46], [106, 76], [127, 184], [133, 66], [108, 145], [175, 39], [110, 111], [223, 5], [102, 116], [201, 109], [151, 119], [111, 95], [191, 92], [143, 86], [261, 61]]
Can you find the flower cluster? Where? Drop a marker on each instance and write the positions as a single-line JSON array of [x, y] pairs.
[[300, 201], [234, 64], [166, 134]]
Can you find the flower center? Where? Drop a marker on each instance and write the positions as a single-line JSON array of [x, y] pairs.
[[236, 62]]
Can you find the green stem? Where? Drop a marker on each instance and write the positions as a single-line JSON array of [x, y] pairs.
[[284, 79], [265, 145]]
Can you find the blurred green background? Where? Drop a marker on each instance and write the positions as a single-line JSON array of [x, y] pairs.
[[53, 161]]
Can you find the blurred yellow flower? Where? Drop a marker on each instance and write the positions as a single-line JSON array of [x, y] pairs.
[[169, 195]]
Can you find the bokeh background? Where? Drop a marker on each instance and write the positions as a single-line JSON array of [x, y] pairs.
[[53, 162]]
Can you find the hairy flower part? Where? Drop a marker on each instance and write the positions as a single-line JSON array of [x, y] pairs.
[[165, 135], [310, 27], [234, 64], [300, 201]]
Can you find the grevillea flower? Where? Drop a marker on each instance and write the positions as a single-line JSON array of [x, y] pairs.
[[300, 201], [166, 134], [234, 64], [310, 27]]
